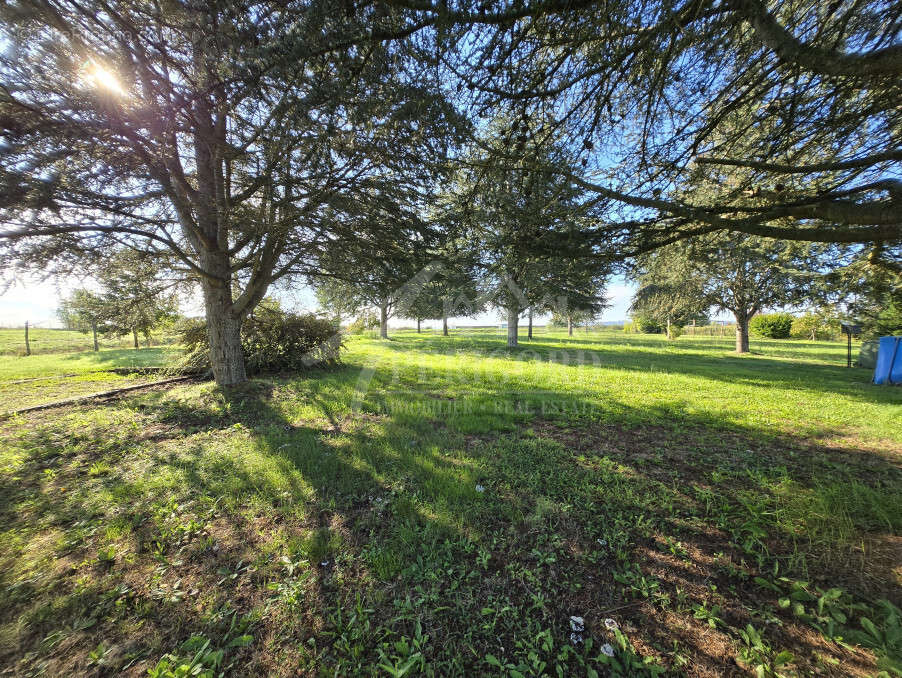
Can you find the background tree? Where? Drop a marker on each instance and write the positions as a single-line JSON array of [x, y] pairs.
[[230, 139], [818, 323], [386, 266], [572, 319], [525, 225], [453, 290], [458, 290], [740, 274], [671, 290], [574, 290], [336, 298], [136, 297], [428, 303], [82, 310]]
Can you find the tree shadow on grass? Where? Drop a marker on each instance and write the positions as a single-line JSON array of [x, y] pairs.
[[387, 498], [698, 449], [810, 379], [124, 357]]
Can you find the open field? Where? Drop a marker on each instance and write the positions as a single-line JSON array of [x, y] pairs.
[[39, 379], [47, 340], [443, 506]]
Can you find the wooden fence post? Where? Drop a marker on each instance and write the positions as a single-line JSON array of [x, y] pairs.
[[27, 343]]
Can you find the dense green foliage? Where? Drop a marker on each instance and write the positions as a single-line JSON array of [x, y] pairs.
[[365, 320], [272, 341], [643, 323], [82, 310], [523, 223], [134, 298], [740, 274], [815, 325], [887, 321], [244, 144], [772, 325]]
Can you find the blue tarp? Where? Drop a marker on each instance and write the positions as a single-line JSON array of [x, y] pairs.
[[889, 361]]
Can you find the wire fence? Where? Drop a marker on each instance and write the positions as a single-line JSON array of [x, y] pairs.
[[38, 340], [48, 340]]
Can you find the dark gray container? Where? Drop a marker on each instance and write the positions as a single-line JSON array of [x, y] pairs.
[[867, 356]]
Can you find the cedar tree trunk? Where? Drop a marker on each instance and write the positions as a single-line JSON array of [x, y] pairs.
[[742, 333], [223, 330], [383, 322], [513, 319]]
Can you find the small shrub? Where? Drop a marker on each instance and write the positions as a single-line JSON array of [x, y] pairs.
[[815, 326], [646, 325], [272, 341], [771, 325], [367, 320]]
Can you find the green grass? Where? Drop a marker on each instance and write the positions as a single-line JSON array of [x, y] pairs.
[[39, 379], [47, 340], [15, 395], [729, 514], [60, 364]]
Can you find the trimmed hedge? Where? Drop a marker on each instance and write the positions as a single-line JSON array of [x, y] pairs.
[[771, 325]]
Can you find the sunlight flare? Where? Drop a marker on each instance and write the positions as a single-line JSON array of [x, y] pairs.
[[104, 79]]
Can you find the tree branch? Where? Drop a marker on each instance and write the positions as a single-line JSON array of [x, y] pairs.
[[855, 163], [886, 62]]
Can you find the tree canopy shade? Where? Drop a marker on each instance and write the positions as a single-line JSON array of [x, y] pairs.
[[528, 223], [230, 138], [806, 96]]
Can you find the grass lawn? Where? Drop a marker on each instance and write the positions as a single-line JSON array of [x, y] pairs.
[[38, 379], [49, 340], [444, 506]]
